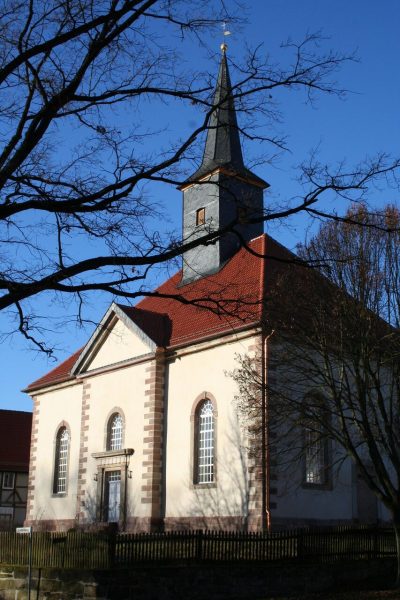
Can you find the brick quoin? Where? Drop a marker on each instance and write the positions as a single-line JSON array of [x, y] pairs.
[[153, 438], [83, 449], [32, 461]]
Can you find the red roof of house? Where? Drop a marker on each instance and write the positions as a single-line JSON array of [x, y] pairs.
[[15, 440], [216, 304]]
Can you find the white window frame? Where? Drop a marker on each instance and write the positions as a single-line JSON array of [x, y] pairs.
[[205, 440], [315, 455], [61, 462], [115, 432]]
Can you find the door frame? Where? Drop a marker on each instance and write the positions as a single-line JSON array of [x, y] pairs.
[[112, 460], [108, 486]]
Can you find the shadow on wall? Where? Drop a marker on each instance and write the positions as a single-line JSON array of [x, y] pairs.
[[224, 504], [91, 520]]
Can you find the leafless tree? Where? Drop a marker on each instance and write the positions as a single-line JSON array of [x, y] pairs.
[[334, 322], [74, 215]]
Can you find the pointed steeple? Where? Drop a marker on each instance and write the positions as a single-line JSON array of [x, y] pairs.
[[222, 194], [223, 148]]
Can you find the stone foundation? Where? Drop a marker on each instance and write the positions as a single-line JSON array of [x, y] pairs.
[[238, 581], [51, 525], [211, 523], [150, 524]]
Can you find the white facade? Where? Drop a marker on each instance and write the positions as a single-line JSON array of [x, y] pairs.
[[48, 418], [195, 373], [152, 475]]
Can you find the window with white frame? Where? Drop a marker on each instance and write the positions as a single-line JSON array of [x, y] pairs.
[[205, 443], [115, 431], [315, 453], [61, 461]]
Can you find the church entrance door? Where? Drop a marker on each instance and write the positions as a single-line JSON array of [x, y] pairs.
[[113, 495]]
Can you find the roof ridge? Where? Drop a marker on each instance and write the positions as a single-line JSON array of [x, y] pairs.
[[237, 290]]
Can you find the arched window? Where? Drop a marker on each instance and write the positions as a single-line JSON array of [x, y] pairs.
[[61, 461], [315, 442], [315, 454], [204, 472], [115, 431]]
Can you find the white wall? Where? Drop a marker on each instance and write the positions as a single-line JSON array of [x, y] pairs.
[[123, 389], [189, 376], [120, 344], [295, 501], [337, 500], [57, 406]]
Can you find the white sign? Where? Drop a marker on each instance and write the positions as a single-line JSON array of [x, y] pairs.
[[24, 530]]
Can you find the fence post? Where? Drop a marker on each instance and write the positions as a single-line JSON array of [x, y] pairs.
[[112, 543], [300, 544], [375, 553], [199, 544]]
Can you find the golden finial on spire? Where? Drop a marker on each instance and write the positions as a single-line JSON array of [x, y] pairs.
[[224, 46]]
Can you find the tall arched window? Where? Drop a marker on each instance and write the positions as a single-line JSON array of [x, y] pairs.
[[315, 454], [61, 461], [316, 441], [205, 443], [115, 431]]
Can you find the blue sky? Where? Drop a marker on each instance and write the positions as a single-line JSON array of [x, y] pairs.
[[367, 121]]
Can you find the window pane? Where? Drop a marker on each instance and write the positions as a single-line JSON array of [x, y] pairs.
[[61, 461], [314, 456], [200, 216], [115, 433], [113, 498], [205, 456], [8, 480]]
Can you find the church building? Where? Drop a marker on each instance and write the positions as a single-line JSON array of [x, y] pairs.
[[140, 427]]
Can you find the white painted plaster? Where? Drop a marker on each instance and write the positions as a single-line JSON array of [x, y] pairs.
[[120, 344], [125, 389], [55, 407], [189, 376]]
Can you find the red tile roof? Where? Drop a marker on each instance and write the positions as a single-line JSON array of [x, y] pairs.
[[15, 440], [223, 302], [220, 303], [60, 373], [155, 325]]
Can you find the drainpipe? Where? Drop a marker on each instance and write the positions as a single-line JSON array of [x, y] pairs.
[[265, 452]]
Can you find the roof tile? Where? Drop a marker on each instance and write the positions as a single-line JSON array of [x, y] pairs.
[[224, 302]]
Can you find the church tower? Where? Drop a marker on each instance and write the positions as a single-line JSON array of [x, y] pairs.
[[222, 193]]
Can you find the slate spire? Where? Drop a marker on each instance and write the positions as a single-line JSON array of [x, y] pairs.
[[222, 195], [223, 147], [223, 142]]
